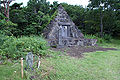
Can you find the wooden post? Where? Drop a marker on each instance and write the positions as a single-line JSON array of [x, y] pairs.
[[22, 67], [39, 62], [33, 59]]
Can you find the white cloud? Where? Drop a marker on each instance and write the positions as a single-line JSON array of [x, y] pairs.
[[21, 1], [73, 2]]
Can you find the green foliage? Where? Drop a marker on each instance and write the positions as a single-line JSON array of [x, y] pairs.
[[3, 38], [39, 5], [2, 16], [33, 18], [99, 40], [106, 38], [4, 24], [76, 13], [99, 65], [30, 29], [52, 17], [7, 27], [53, 7], [88, 19], [17, 16], [107, 10], [18, 47], [117, 28]]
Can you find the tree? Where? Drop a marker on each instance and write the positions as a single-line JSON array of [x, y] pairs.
[[17, 15], [6, 27], [30, 19], [92, 21], [104, 6], [99, 4], [39, 5], [53, 7], [6, 7]]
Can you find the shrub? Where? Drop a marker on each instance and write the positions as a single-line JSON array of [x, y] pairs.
[[3, 38], [99, 40], [8, 27], [107, 37], [19, 47]]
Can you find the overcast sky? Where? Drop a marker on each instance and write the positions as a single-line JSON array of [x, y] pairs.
[[73, 2]]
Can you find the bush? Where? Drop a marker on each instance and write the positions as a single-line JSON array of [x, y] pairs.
[[99, 40], [8, 27], [107, 37], [19, 47]]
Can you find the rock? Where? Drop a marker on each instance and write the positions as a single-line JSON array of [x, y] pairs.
[[29, 60], [1, 62]]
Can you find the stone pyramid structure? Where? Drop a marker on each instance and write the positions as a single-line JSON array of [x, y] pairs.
[[61, 31]]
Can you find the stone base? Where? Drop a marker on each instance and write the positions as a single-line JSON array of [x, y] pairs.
[[72, 42]]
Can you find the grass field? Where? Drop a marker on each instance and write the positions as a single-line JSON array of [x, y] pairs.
[[100, 65]]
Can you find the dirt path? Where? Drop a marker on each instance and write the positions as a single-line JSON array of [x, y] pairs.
[[77, 51]]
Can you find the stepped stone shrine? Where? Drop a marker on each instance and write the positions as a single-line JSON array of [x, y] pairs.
[[61, 32]]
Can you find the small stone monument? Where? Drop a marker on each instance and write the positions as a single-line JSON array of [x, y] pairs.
[[29, 61]]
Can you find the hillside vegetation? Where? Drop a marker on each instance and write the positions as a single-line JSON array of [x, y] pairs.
[[100, 65]]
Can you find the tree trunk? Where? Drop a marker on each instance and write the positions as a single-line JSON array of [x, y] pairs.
[[101, 24], [4, 7], [8, 10]]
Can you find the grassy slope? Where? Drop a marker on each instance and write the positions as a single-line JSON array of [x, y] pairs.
[[94, 66], [7, 72]]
